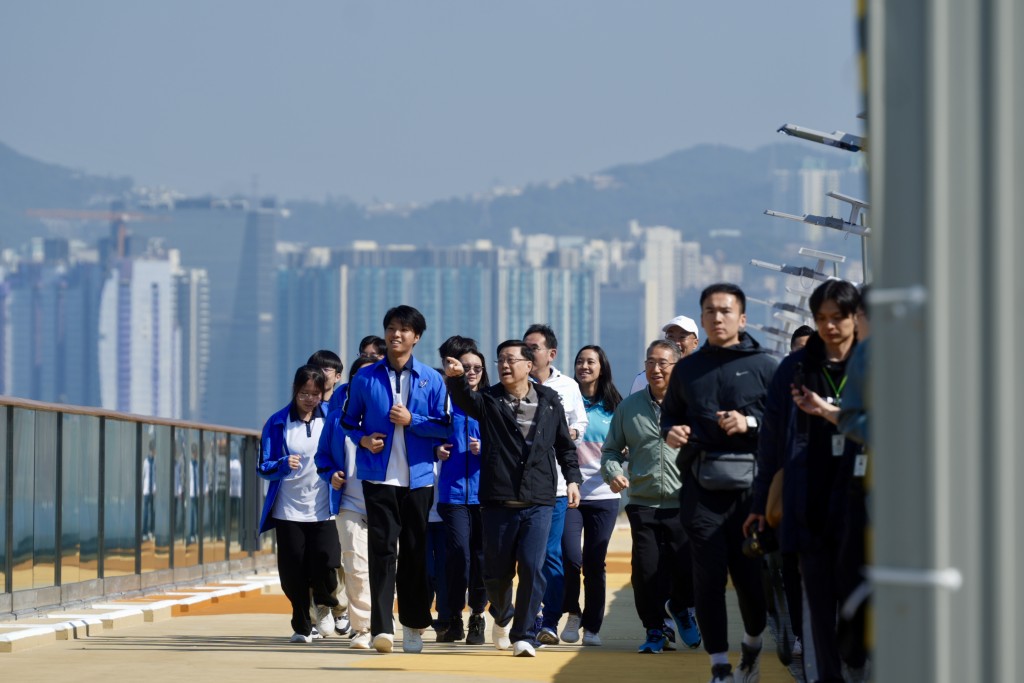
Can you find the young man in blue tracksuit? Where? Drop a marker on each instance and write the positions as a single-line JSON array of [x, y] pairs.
[[396, 412]]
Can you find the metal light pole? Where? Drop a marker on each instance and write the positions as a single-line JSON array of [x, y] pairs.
[[946, 97]]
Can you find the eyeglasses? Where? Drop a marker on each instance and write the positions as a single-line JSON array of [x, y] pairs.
[[508, 360], [303, 396], [660, 364], [473, 369]]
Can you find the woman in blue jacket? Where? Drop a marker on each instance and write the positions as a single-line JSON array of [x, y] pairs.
[[459, 506], [298, 502]]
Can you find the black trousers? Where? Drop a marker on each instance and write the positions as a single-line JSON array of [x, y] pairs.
[[662, 567], [464, 539], [585, 538], [714, 522], [308, 555], [396, 519]]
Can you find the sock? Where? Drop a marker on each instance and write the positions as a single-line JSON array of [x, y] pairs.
[[752, 641], [719, 658]]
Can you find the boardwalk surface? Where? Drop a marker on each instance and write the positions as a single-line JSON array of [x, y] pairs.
[[245, 639]]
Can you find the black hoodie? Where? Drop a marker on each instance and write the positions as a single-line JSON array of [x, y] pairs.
[[718, 378]]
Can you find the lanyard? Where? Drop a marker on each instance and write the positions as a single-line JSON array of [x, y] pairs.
[[837, 391]]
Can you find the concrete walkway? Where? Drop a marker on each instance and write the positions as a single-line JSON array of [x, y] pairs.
[[239, 632]]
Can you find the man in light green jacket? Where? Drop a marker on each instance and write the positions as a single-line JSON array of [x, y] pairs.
[[662, 573]]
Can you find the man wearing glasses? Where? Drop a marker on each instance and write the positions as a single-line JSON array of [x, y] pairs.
[[662, 571], [523, 433]]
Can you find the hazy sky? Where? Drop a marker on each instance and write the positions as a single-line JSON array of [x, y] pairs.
[[410, 101]]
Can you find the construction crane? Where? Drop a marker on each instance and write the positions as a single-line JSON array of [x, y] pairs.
[[118, 221]]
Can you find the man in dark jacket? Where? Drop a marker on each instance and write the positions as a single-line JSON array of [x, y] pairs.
[[522, 424], [712, 411]]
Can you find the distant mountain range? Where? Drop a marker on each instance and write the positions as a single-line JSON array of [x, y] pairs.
[[698, 190]]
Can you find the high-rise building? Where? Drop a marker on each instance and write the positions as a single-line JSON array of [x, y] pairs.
[[154, 334], [139, 345], [193, 311], [245, 391], [48, 328], [459, 291]]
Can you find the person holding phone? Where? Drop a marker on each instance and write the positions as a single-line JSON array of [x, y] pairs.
[[298, 502]]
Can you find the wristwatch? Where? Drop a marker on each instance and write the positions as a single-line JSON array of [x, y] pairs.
[[751, 422]]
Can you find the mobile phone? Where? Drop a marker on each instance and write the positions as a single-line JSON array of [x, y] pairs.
[[798, 376]]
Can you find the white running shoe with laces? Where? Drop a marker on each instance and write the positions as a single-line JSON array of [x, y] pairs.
[[360, 641], [324, 620]]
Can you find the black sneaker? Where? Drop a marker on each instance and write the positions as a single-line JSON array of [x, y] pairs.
[[453, 633], [749, 670], [440, 628], [670, 637], [476, 630], [721, 673]]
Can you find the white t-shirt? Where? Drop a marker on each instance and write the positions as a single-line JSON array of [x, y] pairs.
[[575, 413], [303, 496], [398, 463]]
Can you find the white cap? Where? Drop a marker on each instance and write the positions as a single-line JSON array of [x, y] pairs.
[[682, 321]]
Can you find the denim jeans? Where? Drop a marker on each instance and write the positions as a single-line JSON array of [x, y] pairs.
[[514, 541]]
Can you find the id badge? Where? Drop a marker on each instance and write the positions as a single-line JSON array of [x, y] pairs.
[[838, 444], [860, 465]]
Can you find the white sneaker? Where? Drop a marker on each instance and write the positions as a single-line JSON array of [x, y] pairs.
[[342, 624], [299, 638], [523, 648], [499, 635], [591, 639], [412, 640], [571, 632], [324, 620], [361, 641], [798, 647], [384, 642]]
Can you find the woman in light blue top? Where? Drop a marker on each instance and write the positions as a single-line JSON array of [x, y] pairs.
[[594, 519]]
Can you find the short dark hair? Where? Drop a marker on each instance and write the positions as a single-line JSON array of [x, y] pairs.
[[517, 344], [359, 363], [455, 346], [725, 288], [325, 358], [865, 295], [378, 344], [802, 331], [407, 315], [843, 293], [306, 373], [606, 392], [550, 340], [672, 347]]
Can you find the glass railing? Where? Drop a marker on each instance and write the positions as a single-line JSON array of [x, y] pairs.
[[96, 503]]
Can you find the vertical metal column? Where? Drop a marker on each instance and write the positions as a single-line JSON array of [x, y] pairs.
[[946, 167]]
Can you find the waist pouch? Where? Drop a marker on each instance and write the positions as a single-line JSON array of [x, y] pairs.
[[724, 471]]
